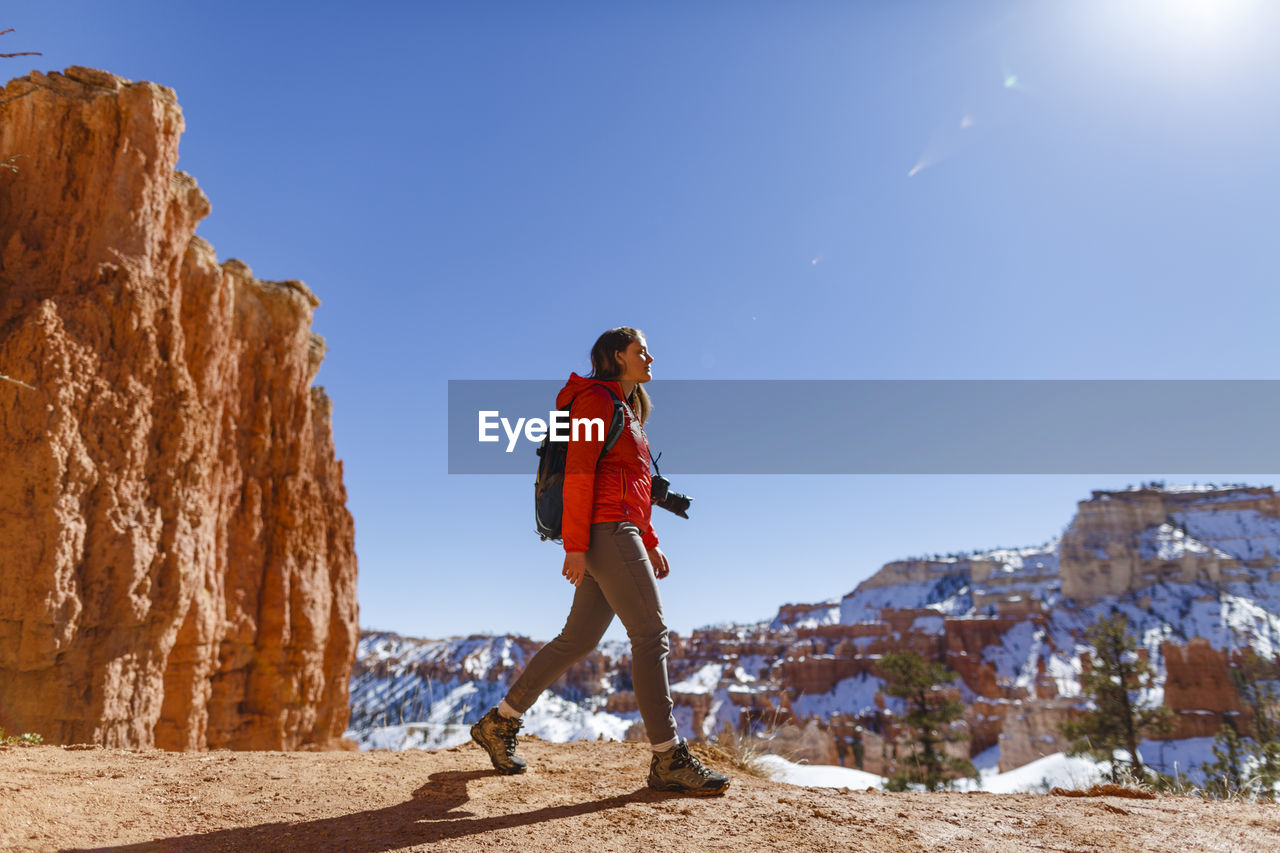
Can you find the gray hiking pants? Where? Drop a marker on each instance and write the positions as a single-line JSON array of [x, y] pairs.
[[619, 579]]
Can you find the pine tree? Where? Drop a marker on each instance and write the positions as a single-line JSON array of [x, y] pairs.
[[928, 720], [1252, 678], [1117, 721], [1226, 777]]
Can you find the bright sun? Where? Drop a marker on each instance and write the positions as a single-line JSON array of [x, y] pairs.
[[1183, 32], [1203, 17]]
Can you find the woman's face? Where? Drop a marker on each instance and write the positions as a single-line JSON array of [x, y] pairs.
[[635, 362]]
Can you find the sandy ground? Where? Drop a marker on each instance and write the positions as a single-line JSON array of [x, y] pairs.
[[580, 796]]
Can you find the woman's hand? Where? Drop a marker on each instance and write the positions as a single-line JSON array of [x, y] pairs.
[[661, 568], [575, 566]]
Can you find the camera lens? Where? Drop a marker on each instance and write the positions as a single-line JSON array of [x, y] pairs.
[[658, 489]]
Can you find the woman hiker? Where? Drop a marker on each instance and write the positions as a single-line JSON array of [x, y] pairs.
[[613, 559]]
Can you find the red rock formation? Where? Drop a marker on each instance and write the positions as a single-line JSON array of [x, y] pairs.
[[1198, 689], [814, 674], [178, 561], [1022, 720]]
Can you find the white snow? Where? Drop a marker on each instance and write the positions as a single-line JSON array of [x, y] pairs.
[[410, 736], [1244, 534], [557, 719], [551, 718], [704, 680], [948, 593], [818, 775], [751, 667], [849, 696], [1015, 654], [723, 713], [823, 613], [1065, 674], [1057, 770], [1039, 776], [1166, 542]]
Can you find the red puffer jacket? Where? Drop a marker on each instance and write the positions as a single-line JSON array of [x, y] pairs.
[[617, 489]]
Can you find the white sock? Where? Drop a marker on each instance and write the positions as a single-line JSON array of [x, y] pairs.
[[507, 711], [666, 745]]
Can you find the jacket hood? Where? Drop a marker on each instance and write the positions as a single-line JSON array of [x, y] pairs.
[[577, 384]]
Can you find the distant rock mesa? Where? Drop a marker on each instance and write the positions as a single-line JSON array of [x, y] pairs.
[[177, 564]]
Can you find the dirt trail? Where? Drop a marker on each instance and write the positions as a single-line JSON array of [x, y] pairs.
[[579, 796]]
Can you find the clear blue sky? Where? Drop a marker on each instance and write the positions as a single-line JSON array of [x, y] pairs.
[[950, 190]]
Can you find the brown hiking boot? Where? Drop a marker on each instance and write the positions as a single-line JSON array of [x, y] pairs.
[[677, 770], [497, 735]]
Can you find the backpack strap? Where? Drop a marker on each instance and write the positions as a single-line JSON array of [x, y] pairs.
[[615, 425]]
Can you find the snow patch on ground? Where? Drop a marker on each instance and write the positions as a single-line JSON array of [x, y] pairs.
[[817, 775], [1057, 770], [1052, 771]]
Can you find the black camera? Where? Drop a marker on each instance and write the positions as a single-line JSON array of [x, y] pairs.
[[660, 494]]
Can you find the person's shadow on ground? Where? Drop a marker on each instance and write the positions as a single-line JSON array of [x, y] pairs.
[[427, 817]]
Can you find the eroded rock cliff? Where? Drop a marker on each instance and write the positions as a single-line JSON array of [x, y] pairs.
[[1123, 541], [177, 559]]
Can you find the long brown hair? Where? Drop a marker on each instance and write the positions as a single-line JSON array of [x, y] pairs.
[[605, 366]]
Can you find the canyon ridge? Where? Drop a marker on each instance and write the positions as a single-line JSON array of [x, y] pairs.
[[1194, 570]]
